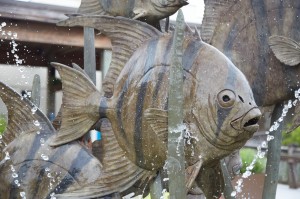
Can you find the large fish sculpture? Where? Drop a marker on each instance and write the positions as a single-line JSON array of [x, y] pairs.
[[220, 113], [30, 168], [150, 11], [242, 30]]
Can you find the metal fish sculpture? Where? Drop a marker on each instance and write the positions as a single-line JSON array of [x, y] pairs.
[[150, 11], [242, 31], [219, 109], [30, 167], [288, 52]]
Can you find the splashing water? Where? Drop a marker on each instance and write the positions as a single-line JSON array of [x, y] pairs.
[[264, 144], [44, 157]]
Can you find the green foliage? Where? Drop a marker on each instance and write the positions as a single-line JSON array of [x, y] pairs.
[[291, 138], [247, 156], [2, 124]]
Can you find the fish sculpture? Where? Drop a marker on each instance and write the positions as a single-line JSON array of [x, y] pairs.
[[220, 113], [242, 30], [31, 168], [287, 51], [150, 11]]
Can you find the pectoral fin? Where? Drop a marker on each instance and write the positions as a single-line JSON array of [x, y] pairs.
[[158, 120], [191, 173], [211, 181], [285, 49]]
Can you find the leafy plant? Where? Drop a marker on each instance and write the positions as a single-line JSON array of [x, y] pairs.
[[2, 124], [291, 138], [247, 156]]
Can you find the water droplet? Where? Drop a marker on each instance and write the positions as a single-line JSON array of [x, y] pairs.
[[47, 169], [45, 157], [22, 194], [52, 196], [7, 157], [270, 137], [233, 194], [12, 168], [3, 24], [33, 110], [264, 144], [42, 141], [21, 69], [14, 175], [16, 182], [295, 102], [49, 175], [38, 132], [36, 123]]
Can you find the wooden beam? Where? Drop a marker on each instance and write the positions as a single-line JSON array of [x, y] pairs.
[[38, 32]]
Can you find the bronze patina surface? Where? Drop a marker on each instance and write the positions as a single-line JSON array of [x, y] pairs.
[[150, 11], [28, 160], [242, 30], [220, 113]]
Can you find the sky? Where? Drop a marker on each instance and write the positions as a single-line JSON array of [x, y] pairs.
[[193, 12]]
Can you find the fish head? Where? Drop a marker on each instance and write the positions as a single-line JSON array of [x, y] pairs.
[[221, 111], [170, 6]]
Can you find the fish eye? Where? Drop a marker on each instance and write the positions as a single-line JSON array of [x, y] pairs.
[[226, 98]]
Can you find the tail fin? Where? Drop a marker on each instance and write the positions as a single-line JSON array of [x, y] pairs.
[[57, 121], [91, 7], [79, 107], [23, 116]]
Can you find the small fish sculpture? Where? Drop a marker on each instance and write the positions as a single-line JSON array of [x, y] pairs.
[[31, 168], [220, 113], [242, 30], [28, 164], [149, 11]]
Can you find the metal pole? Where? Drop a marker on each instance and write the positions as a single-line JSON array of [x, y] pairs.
[[228, 189], [36, 90], [156, 188], [89, 53], [274, 150], [176, 158]]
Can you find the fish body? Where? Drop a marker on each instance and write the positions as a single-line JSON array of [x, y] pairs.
[[149, 11], [220, 113], [242, 31], [28, 164]]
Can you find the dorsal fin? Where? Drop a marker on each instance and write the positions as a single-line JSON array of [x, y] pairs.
[[118, 173], [126, 36], [212, 13], [91, 7], [23, 116]]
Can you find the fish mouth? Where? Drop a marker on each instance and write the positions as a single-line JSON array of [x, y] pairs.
[[248, 122], [184, 2]]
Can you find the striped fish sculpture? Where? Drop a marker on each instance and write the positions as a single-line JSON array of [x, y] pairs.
[[150, 11], [287, 51], [28, 164], [30, 167], [219, 110], [242, 30]]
